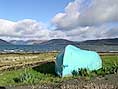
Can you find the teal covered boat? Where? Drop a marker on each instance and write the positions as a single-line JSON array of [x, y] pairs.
[[73, 58]]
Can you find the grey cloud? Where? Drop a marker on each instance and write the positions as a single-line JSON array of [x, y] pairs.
[[112, 33]]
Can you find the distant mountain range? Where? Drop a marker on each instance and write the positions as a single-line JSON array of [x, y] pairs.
[[113, 41], [58, 42], [3, 42]]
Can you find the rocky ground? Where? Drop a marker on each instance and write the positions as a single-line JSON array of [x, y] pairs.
[[106, 82]]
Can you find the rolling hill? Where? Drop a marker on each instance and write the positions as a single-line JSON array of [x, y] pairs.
[[3, 42], [56, 44], [113, 41], [59, 42]]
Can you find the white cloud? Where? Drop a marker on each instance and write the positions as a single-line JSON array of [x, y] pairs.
[[6, 27], [69, 18], [88, 19], [98, 12], [27, 29]]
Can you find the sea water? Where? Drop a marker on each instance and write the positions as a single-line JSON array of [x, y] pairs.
[[47, 48]]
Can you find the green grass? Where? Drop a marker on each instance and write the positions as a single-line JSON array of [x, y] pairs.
[[110, 60], [26, 76], [42, 74], [110, 66], [45, 73]]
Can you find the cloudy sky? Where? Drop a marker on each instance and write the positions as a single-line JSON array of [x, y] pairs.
[[68, 19]]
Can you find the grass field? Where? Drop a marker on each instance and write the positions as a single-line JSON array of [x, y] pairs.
[[43, 73]]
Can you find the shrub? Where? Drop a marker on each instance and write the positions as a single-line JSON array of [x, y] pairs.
[[103, 71], [74, 73], [24, 78], [81, 72]]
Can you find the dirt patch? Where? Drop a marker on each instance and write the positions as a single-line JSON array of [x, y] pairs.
[[106, 82]]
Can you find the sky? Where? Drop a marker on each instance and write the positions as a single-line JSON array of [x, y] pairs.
[[76, 20], [40, 10]]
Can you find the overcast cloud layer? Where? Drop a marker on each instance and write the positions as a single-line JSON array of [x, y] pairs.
[[81, 20]]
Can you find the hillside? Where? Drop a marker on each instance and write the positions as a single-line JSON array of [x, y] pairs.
[[113, 41], [3, 42], [59, 42], [56, 44]]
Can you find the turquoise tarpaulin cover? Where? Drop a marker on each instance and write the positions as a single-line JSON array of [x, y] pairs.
[[73, 58]]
